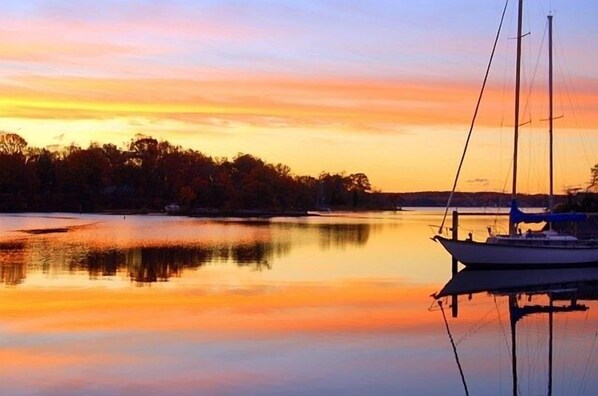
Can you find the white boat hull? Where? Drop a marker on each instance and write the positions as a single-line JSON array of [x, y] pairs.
[[477, 254]]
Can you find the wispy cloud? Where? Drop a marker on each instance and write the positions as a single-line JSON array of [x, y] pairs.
[[479, 181], [272, 102]]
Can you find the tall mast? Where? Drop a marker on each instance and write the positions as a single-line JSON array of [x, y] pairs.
[[512, 226], [550, 113]]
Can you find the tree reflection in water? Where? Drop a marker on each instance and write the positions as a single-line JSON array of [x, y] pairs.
[[159, 262], [342, 235], [330, 235], [13, 269]]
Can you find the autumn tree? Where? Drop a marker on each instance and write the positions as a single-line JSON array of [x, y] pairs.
[[17, 181], [83, 175], [334, 189], [11, 143], [143, 152], [359, 184], [149, 174], [43, 163]]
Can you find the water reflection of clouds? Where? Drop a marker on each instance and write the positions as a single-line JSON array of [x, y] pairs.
[[262, 339]]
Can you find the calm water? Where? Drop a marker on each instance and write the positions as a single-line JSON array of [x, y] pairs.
[[319, 305]]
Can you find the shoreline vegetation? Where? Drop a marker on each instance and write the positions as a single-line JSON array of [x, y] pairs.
[[151, 176]]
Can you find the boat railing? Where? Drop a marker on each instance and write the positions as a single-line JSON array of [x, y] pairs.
[[456, 229]]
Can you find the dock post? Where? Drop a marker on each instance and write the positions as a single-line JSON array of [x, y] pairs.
[[454, 267]]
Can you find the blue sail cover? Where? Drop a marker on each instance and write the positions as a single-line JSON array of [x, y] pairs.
[[518, 216]]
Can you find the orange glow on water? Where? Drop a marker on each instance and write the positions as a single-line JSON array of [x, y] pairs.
[[162, 303], [257, 310]]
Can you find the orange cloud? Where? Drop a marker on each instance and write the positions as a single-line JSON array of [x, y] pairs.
[[24, 48], [314, 113], [270, 102]]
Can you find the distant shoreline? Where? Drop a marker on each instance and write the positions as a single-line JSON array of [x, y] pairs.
[[405, 202]]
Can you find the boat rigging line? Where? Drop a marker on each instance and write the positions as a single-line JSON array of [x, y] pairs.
[[477, 326], [586, 371], [475, 115], [448, 330]]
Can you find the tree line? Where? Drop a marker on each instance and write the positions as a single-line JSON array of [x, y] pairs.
[[148, 175]]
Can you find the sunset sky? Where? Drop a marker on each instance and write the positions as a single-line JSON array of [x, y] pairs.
[[386, 88]]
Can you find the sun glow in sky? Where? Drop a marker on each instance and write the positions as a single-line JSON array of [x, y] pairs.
[[386, 88]]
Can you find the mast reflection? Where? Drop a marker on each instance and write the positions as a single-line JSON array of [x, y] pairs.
[[562, 289]]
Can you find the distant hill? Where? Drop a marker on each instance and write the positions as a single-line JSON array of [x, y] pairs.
[[470, 199]]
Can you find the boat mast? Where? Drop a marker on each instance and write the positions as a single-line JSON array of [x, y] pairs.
[[550, 115], [512, 225]]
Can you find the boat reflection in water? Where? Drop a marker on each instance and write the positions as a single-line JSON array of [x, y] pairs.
[[531, 294]]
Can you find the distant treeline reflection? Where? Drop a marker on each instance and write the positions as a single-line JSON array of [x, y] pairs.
[[142, 264], [339, 235], [159, 263]]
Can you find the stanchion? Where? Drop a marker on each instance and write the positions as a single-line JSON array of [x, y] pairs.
[[454, 267]]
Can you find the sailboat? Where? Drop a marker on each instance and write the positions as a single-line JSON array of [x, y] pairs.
[[530, 249]]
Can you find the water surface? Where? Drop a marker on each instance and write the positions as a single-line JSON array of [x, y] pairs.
[[94, 304]]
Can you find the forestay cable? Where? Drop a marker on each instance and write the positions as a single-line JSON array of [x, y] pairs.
[[475, 114]]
